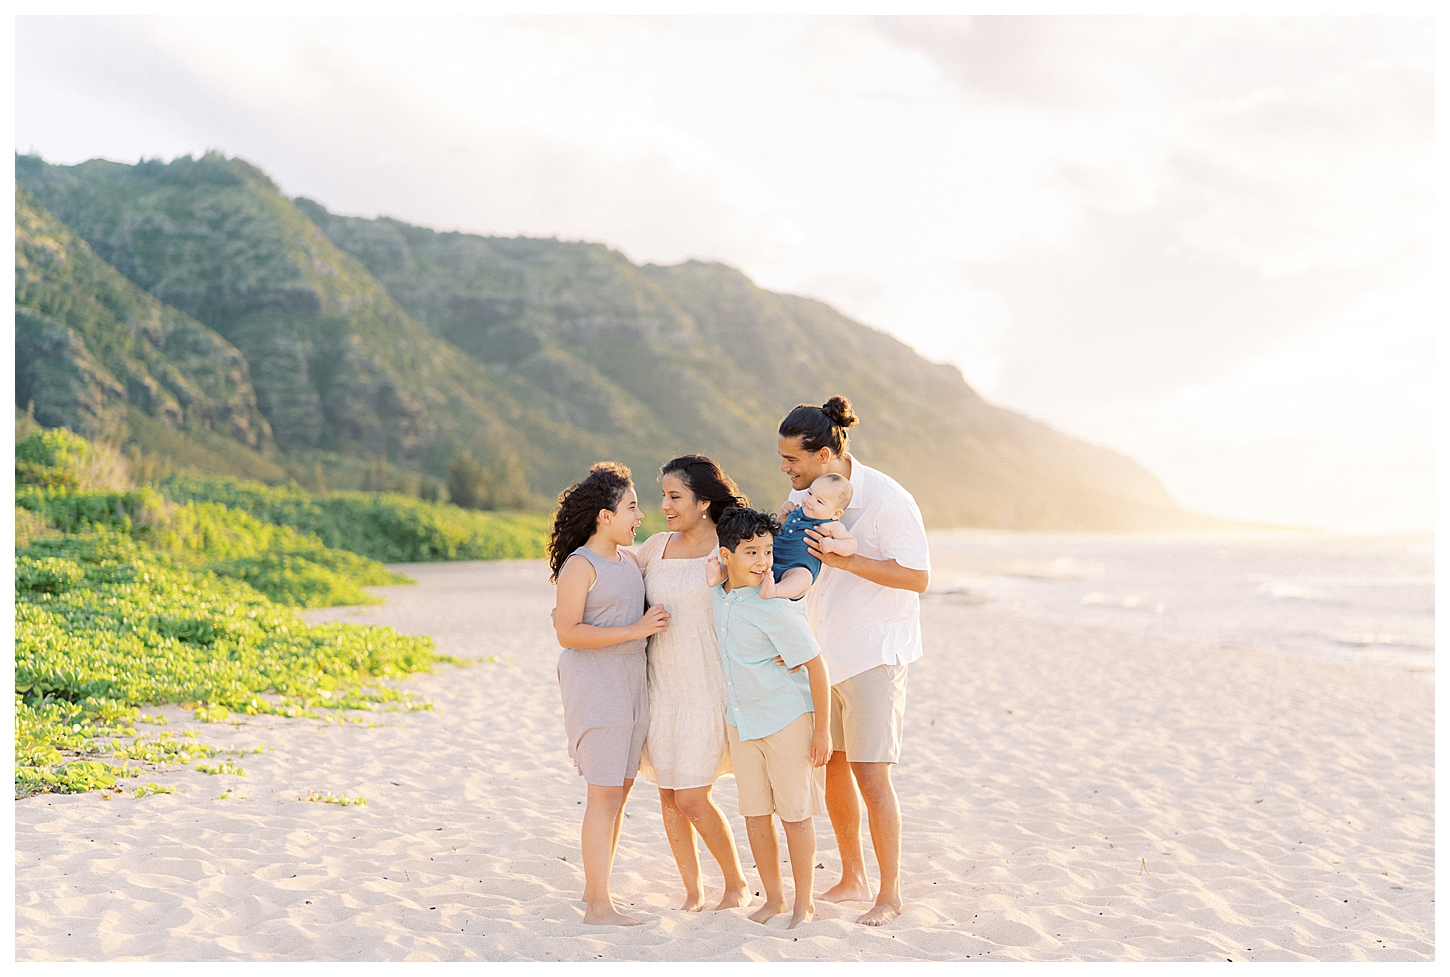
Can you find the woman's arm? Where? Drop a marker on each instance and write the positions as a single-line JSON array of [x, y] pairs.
[[570, 595]]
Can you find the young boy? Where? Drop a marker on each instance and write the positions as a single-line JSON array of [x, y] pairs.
[[794, 569], [778, 722]]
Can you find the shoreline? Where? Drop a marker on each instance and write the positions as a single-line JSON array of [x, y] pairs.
[[1067, 793]]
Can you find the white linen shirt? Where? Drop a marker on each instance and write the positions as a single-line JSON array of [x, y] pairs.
[[861, 624]]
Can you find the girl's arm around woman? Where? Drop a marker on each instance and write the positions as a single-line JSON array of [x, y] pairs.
[[575, 579]]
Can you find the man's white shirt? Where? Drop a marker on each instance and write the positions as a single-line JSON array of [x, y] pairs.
[[861, 624]]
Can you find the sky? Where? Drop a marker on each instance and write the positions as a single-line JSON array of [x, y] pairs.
[[1205, 242]]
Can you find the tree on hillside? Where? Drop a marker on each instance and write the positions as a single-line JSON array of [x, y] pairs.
[[507, 489], [498, 485], [467, 481]]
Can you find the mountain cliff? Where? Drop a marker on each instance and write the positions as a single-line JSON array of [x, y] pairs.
[[348, 340]]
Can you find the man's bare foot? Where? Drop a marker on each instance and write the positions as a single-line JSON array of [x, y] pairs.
[[768, 910], [693, 903], [844, 891], [802, 914], [880, 914], [734, 898], [608, 916]]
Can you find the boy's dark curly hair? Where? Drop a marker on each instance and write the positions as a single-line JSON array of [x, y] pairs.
[[578, 514], [739, 524]]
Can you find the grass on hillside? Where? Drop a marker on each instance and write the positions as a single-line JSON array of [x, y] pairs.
[[389, 527], [124, 598]]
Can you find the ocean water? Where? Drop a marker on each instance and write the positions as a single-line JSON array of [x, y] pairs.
[[1361, 599]]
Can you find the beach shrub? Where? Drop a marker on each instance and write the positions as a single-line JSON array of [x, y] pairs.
[[287, 566], [104, 624], [55, 458], [389, 527]]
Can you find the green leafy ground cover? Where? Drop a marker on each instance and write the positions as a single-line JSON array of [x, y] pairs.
[[123, 598], [390, 527]]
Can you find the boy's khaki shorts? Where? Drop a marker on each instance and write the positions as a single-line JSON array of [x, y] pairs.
[[868, 712], [773, 775]]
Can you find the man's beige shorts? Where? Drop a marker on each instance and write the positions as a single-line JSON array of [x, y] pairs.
[[773, 775], [867, 713]]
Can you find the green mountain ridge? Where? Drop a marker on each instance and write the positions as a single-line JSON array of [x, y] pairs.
[[301, 334]]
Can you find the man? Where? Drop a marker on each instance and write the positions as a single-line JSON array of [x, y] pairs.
[[866, 615]]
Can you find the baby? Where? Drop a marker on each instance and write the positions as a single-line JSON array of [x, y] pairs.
[[794, 569]]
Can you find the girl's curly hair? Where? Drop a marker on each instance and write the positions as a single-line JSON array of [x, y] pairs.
[[577, 516]]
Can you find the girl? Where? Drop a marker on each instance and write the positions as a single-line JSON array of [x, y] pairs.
[[602, 625]]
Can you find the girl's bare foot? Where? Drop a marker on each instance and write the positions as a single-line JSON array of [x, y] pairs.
[[608, 916], [768, 910], [802, 914], [844, 891], [694, 902], [735, 898]]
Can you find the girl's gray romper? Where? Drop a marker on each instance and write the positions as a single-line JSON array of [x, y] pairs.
[[606, 690]]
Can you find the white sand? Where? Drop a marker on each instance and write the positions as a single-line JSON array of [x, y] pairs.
[[1067, 794]]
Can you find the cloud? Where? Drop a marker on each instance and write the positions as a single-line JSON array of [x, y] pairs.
[[1336, 174]]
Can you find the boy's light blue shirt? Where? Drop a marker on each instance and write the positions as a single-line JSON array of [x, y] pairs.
[[763, 697]]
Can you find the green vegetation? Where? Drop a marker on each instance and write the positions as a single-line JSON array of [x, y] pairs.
[[53, 468], [389, 527], [125, 598]]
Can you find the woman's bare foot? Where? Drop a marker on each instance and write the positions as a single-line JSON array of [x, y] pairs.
[[694, 902], [880, 914], [802, 914], [735, 898], [844, 891], [768, 910], [608, 916]]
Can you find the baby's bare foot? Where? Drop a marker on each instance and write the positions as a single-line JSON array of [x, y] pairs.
[[768, 910], [734, 898], [608, 916]]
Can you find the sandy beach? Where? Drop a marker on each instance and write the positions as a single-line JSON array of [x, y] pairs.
[[1068, 793]]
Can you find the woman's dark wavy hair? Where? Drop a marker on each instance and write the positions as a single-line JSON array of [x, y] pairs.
[[706, 481], [578, 514], [741, 524], [820, 427]]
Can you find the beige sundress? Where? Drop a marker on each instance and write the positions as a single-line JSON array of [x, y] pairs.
[[686, 745]]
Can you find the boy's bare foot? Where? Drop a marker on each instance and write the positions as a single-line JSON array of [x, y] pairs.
[[802, 914], [844, 891], [608, 916], [734, 898], [768, 910], [880, 914], [693, 903]]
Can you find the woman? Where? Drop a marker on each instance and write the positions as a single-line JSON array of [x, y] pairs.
[[686, 748]]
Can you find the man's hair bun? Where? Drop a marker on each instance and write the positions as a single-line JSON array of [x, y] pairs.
[[820, 427], [838, 409]]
